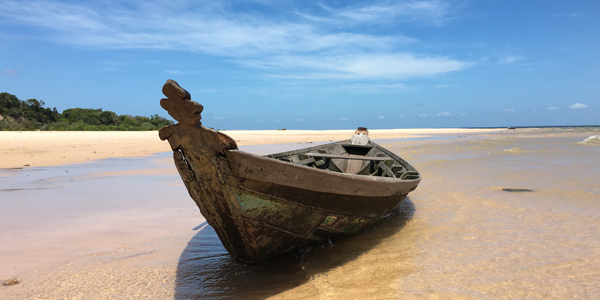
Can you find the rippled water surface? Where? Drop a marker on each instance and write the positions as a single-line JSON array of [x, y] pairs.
[[507, 215]]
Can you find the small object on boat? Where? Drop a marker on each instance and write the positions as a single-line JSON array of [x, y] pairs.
[[360, 137], [265, 206]]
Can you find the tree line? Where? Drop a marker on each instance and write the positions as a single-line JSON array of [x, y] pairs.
[[31, 114]]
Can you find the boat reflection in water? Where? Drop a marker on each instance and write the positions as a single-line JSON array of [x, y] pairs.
[[207, 271]]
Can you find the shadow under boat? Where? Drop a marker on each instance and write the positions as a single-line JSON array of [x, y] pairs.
[[207, 271]]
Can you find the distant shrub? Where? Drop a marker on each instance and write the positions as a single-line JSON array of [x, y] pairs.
[[16, 114]]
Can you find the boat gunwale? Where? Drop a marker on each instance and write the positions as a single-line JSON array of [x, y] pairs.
[[265, 170], [359, 177]]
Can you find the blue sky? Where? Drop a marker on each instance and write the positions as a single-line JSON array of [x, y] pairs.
[[269, 64]]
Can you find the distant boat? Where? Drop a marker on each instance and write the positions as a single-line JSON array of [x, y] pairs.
[[265, 206]]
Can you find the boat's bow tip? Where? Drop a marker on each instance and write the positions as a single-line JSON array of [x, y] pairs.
[[172, 90], [179, 104]]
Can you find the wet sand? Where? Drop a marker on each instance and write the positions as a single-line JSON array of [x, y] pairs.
[[498, 215]]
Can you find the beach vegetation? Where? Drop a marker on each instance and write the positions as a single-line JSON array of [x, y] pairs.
[[31, 114]]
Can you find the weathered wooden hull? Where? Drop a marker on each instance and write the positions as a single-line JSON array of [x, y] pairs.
[[262, 207]]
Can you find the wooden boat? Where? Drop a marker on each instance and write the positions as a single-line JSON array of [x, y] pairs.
[[264, 206]]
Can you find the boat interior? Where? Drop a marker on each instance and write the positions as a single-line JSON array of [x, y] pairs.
[[349, 158]]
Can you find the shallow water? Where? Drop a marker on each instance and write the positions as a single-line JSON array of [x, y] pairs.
[[512, 214], [55, 213], [484, 242]]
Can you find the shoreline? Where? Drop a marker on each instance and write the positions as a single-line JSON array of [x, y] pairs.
[[54, 148]]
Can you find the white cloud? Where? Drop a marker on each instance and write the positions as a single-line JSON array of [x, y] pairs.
[[444, 86], [357, 66], [578, 106], [380, 117], [433, 12], [174, 72], [552, 108], [343, 119], [509, 59], [305, 48], [369, 88], [510, 110], [422, 115], [150, 25], [53, 14], [443, 114], [11, 72]]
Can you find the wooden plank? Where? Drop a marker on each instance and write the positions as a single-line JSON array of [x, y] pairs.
[[306, 161], [386, 169], [349, 156], [354, 166]]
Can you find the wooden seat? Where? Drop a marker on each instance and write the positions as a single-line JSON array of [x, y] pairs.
[[349, 156]]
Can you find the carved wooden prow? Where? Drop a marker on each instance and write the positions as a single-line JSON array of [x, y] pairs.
[[200, 156], [188, 113], [179, 104]]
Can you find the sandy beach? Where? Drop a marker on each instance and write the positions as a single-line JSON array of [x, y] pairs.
[[104, 215], [43, 148]]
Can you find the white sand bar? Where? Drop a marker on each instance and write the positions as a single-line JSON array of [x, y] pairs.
[[52, 148]]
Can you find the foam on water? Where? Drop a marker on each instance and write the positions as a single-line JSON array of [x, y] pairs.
[[516, 150], [591, 141]]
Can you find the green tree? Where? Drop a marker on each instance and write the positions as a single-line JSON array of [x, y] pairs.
[[31, 114], [85, 115], [108, 118], [8, 101], [159, 122]]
